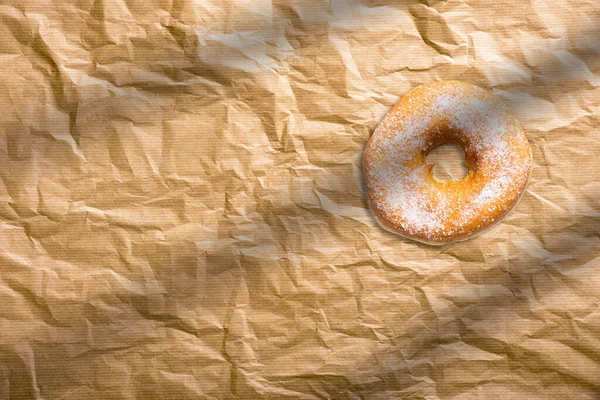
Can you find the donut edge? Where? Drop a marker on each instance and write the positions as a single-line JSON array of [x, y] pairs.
[[383, 224]]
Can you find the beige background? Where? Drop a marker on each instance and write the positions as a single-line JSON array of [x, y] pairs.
[[183, 217]]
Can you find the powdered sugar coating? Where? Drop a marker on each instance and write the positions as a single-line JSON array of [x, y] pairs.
[[402, 192]]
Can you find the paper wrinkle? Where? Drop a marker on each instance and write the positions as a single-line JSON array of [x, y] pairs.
[[183, 210]]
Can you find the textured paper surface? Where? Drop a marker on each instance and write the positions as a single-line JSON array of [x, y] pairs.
[[183, 216]]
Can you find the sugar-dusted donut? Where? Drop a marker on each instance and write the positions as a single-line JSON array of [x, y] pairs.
[[402, 193]]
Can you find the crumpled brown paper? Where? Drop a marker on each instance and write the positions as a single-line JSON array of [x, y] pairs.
[[183, 213]]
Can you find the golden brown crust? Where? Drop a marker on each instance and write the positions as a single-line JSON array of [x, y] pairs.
[[403, 194]]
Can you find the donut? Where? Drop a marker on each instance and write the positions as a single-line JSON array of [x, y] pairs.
[[405, 197]]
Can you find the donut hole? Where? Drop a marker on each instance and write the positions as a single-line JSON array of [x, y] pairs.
[[449, 162]]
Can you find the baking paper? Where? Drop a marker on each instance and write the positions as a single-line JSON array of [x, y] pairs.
[[183, 213]]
